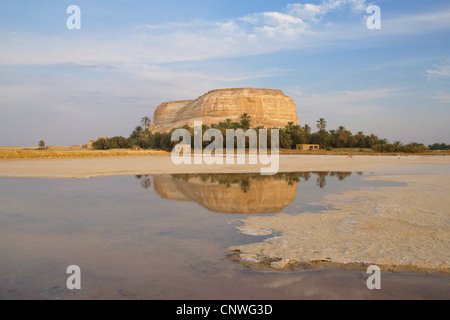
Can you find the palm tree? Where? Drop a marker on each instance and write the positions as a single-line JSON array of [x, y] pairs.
[[285, 139], [397, 144], [321, 124], [342, 137], [245, 121], [145, 122], [323, 135], [290, 126], [137, 132], [307, 129]]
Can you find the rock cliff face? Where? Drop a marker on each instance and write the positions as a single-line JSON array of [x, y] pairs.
[[246, 196], [267, 107]]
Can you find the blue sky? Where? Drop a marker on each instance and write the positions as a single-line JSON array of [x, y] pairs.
[[70, 86]]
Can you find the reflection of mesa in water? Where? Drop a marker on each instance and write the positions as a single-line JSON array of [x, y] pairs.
[[234, 193], [245, 194]]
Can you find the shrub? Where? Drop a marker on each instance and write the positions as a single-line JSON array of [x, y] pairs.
[[439, 146], [101, 144], [119, 143], [413, 147]]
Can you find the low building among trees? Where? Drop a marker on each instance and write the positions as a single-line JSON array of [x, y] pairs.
[[307, 147]]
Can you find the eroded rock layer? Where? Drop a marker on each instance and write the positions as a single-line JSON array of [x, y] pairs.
[[266, 107]]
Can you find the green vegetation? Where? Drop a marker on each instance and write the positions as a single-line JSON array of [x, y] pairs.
[[290, 136], [245, 121], [41, 144], [439, 146], [412, 147]]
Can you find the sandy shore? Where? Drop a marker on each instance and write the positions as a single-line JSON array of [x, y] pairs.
[[139, 165]]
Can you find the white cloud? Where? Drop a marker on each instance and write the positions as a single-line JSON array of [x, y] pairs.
[[315, 12], [308, 12], [442, 71], [277, 24], [278, 18]]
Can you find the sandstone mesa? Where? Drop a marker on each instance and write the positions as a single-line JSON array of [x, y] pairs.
[[267, 107]]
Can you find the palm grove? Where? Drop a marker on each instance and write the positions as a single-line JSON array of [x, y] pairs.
[[290, 136]]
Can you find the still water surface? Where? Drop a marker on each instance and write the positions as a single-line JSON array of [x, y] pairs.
[[166, 237]]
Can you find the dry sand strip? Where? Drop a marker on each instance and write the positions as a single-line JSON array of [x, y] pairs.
[[139, 165], [397, 228]]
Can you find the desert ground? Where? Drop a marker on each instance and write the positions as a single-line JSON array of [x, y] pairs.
[[88, 164]]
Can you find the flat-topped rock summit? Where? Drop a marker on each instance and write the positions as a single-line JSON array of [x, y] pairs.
[[267, 107]]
